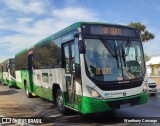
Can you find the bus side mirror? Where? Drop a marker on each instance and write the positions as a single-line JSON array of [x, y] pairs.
[[76, 35], [81, 47]]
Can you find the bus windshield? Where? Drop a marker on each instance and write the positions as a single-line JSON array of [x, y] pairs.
[[114, 60]]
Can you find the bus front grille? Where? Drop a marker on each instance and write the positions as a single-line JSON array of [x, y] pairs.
[[119, 86]]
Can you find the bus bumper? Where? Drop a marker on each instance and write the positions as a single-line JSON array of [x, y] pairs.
[[90, 105]]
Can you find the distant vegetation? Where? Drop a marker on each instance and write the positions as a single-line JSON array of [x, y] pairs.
[[147, 58], [145, 34]]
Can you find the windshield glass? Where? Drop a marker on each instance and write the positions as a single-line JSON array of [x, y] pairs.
[[109, 60], [132, 59], [101, 65]]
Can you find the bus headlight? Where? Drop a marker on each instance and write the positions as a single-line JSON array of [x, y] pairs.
[[145, 87], [94, 93]]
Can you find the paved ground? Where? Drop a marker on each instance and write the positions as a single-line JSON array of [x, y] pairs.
[[14, 103]]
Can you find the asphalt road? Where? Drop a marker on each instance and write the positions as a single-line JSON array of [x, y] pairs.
[[14, 103]]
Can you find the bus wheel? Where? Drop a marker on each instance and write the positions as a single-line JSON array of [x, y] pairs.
[[59, 102], [29, 95]]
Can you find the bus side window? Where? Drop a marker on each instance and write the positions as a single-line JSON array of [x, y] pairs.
[[76, 59], [73, 58]]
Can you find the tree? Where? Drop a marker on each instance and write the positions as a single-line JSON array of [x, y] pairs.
[[145, 34], [147, 58]]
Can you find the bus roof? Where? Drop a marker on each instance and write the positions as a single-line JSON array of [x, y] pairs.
[[62, 32]]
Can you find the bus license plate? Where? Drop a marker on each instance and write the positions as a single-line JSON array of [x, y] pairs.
[[125, 105], [154, 90]]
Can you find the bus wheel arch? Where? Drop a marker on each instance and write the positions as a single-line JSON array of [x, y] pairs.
[[29, 95], [58, 99], [55, 88]]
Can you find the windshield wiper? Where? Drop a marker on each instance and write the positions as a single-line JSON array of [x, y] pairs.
[[112, 51], [127, 45], [108, 46], [116, 55], [123, 56], [125, 53]]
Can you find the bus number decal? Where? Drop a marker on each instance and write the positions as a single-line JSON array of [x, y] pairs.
[[135, 69]]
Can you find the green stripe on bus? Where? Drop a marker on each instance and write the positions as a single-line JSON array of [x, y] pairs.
[[90, 105]]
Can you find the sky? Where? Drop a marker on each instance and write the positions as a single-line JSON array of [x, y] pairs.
[[25, 22]]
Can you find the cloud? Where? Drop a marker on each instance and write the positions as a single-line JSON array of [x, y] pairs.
[[29, 30], [151, 48], [24, 20], [3, 58], [26, 6], [71, 14], [71, 2]]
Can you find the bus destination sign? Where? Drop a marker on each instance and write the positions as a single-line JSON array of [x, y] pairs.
[[113, 31]]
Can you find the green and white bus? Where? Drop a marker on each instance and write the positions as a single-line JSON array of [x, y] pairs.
[[7, 72], [88, 67], [1, 72]]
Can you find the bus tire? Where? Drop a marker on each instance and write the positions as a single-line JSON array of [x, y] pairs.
[[60, 103], [29, 95]]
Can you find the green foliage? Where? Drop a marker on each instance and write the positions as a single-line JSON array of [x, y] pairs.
[[47, 55], [21, 61], [145, 34]]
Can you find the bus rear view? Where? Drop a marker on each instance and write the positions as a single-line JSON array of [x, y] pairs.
[[112, 67]]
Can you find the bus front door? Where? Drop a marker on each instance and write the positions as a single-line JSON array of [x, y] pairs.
[[69, 69]]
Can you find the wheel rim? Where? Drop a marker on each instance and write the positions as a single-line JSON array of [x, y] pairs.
[[60, 102]]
